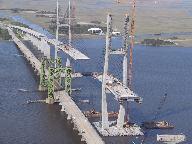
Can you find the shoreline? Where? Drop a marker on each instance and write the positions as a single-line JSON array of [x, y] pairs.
[[180, 38], [147, 30], [136, 43]]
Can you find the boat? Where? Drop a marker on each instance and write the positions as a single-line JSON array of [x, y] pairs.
[[97, 31], [94, 114], [128, 124], [23, 90], [84, 101], [171, 139], [157, 125], [116, 33]]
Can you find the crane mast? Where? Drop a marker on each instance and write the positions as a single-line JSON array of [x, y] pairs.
[[132, 33]]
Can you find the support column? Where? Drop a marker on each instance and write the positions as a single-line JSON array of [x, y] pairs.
[[57, 32], [46, 48], [69, 23], [122, 108], [125, 72], [68, 78], [50, 99], [43, 80], [125, 48], [125, 68], [105, 123], [58, 70], [121, 115]]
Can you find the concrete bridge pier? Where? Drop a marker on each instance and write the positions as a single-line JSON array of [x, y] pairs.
[[121, 115], [50, 100], [42, 88], [45, 48]]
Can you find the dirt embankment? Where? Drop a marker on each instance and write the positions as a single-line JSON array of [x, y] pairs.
[[152, 17]]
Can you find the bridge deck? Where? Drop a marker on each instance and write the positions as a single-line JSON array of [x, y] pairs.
[[72, 52], [84, 127], [118, 89], [36, 64]]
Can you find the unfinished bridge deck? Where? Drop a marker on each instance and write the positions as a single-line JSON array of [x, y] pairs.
[[81, 123], [36, 64], [120, 91], [71, 51]]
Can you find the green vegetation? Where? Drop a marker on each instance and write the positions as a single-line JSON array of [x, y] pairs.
[[17, 10], [45, 12], [18, 34], [75, 29], [8, 21], [4, 19], [96, 22], [174, 38], [157, 42], [4, 35], [19, 24]]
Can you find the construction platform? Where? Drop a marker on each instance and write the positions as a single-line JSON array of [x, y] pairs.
[[120, 91], [113, 130], [171, 139]]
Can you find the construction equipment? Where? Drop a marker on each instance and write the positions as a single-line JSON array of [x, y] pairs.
[[171, 139], [157, 125]]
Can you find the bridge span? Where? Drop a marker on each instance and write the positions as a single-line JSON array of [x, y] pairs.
[[81, 123], [72, 52]]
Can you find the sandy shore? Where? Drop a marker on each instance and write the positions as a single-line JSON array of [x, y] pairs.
[[165, 16]]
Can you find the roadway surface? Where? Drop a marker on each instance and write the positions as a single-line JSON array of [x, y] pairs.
[[81, 123]]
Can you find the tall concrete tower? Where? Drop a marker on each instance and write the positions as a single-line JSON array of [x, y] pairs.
[[105, 123], [57, 31], [122, 109]]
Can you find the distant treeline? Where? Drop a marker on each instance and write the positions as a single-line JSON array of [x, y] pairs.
[[4, 19], [20, 24], [45, 12], [13, 22], [4, 34], [76, 29], [157, 42], [16, 10]]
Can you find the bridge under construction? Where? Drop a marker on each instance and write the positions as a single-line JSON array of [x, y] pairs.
[[81, 123], [56, 78]]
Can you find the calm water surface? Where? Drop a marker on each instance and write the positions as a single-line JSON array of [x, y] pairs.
[[157, 70], [21, 123]]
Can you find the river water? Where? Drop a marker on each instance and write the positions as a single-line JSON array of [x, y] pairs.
[[157, 70], [21, 123]]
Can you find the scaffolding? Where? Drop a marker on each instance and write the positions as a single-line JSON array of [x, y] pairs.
[[47, 81]]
